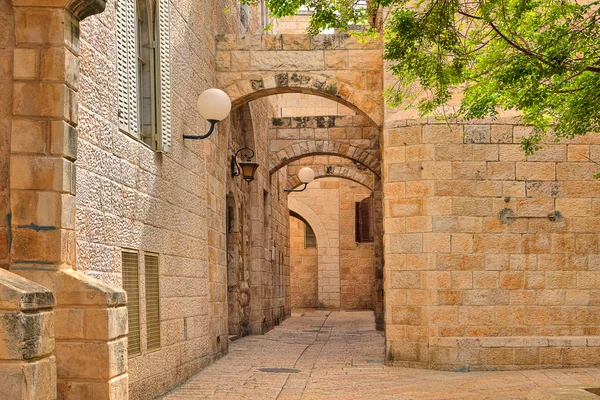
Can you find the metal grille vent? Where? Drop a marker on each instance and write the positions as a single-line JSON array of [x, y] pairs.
[[131, 281], [152, 302]]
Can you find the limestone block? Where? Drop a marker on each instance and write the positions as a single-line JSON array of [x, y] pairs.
[[28, 136], [295, 42], [25, 64], [59, 64], [18, 293], [41, 100], [105, 323], [286, 61], [26, 336], [28, 381], [92, 360], [63, 140], [40, 26], [73, 288]]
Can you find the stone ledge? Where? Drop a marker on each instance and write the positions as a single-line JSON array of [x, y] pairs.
[[513, 353], [564, 393], [75, 289], [18, 293]]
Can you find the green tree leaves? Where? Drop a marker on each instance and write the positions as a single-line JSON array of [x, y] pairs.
[[538, 57]]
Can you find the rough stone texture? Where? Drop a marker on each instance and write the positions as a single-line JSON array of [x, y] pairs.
[[255, 66], [351, 137], [304, 268], [302, 104], [27, 364], [174, 204], [345, 268], [454, 269]]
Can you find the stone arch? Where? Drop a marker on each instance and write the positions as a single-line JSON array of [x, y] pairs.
[[323, 147], [309, 216], [262, 84], [337, 171], [324, 241]]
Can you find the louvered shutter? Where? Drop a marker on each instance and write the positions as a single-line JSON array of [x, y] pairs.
[[365, 221], [131, 285], [152, 302], [123, 79], [163, 69], [127, 96]]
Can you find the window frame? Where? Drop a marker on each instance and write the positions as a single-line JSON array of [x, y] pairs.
[[154, 58], [308, 229], [143, 300], [360, 222]]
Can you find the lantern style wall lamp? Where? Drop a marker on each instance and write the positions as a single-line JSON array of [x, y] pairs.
[[245, 168], [214, 105], [306, 176]]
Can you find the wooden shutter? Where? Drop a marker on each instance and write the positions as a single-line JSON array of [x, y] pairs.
[[365, 221], [152, 302], [127, 97], [163, 69], [131, 282]]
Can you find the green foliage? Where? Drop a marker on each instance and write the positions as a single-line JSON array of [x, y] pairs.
[[538, 57]]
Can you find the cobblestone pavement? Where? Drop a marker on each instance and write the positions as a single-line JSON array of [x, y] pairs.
[[339, 355]]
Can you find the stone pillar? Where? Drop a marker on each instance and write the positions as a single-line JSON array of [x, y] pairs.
[[27, 365], [91, 318]]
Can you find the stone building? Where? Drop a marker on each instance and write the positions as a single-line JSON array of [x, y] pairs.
[[130, 255]]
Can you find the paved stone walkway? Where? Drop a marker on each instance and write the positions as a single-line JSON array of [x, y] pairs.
[[339, 355]]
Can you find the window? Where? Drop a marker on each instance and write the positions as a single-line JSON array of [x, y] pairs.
[[143, 68], [131, 285], [132, 282], [152, 302], [310, 240], [364, 217]]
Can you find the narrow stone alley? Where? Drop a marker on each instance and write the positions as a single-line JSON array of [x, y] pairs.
[[339, 355]]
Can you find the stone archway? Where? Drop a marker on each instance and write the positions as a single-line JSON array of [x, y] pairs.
[[337, 67], [328, 264], [324, 147], [335, 171]]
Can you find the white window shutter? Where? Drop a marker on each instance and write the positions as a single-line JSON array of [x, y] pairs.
[[127, 67], [122, 71], [132, 67], [164, 78]]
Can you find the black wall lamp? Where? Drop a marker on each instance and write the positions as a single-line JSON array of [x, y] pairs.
[[214, 105], [245, 168], [306, 176]]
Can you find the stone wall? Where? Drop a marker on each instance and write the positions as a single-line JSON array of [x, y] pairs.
[[6, 68], [174, 204], [304, 264], [345, 268], [481, 242], [302, 105]]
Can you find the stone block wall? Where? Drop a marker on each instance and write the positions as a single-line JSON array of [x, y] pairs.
[[173, 204], [470, 249], [346, 275], [304, 268], [27, 361], [301, 104], [6, 75]]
